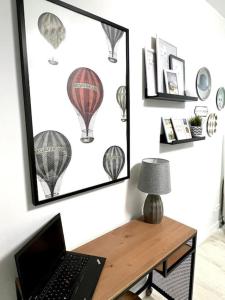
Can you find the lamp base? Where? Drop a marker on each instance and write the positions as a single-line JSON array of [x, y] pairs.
[[153, 209]]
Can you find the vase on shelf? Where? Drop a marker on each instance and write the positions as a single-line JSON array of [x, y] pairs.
[[196, 131], [196, 126]]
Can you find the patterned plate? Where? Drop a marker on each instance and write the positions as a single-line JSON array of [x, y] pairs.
[[203, 83], [212, 124], [220, 98]]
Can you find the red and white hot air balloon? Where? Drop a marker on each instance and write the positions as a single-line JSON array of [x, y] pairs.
[[85, 92]]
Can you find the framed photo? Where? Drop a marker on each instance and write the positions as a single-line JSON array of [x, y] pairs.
[[75, 68], [181, 128], [177, 64], [163, 51], [150, 68], [168, 130], [171, 82]]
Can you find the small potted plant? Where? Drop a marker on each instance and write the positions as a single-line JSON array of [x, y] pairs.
[[196, 126]]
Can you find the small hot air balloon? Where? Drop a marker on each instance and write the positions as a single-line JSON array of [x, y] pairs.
[[85, 92], [53, 31], [52, 156], [122, 101], [113, 36], [113, 161]]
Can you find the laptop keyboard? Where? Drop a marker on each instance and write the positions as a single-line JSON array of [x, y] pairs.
[[63, 283]]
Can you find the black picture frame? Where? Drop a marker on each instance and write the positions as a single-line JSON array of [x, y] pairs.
[[178, 64], [115, 159]]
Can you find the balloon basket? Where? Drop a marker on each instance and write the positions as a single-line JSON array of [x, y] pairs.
[[53, 62], [112, 59], [51, 196], [87, 136], [87, 139]]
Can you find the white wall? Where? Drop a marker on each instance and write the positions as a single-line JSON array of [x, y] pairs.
[[198, 32]]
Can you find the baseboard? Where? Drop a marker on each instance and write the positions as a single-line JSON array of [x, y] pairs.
[[212, 229]]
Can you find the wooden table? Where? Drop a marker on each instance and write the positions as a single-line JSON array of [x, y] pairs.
[[135, 249]]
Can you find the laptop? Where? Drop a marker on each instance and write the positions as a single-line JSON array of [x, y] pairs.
[[47, 271]]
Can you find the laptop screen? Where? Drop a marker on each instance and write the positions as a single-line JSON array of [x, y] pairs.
[[36, 260]]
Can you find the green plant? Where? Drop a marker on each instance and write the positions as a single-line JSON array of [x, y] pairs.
[[195, 121]]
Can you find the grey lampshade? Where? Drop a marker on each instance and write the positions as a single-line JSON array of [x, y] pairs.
[[155, 176]]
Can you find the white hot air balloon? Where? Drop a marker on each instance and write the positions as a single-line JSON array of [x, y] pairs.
[[122, 101], [53, 30]]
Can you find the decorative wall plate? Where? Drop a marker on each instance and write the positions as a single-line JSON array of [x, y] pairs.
[[201, 111], [203, 83], [220, 98], [212, 124]]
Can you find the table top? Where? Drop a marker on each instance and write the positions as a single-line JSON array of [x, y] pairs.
[[132, 250]]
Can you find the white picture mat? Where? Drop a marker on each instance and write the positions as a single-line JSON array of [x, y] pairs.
[[168, 129], [171, 82], [181, 128], [163, 51], [85, 45], [150, 67]]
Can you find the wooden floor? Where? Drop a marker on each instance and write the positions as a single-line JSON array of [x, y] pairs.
[[209, 281]]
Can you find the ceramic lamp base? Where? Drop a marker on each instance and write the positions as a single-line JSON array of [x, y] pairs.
[[153, 209]]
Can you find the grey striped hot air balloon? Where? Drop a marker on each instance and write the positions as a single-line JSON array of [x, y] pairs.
[[122, 101], [113, 36], [113, 161], [52, 156]]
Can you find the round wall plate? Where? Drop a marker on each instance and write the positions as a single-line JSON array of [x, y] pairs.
[[212, 124], [203, 83], [220, 98]]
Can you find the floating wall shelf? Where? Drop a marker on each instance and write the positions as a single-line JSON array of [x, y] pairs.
[[171, 97], [194, 139]]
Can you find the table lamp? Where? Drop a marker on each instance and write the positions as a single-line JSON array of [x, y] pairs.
[[155, 180]]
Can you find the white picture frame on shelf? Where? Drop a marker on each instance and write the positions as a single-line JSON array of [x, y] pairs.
[[150, 71], [168, 129], [163, 51], [178, 64], [181, 128], [171, 81]]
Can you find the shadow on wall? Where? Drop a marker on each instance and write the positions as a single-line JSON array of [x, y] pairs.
[[134, 197], [20, 100], [7, 277]]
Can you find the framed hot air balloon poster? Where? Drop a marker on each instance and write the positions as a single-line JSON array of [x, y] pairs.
[[75, 73]]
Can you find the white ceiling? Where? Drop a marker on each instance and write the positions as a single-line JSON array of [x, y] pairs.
[[219, 5]]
